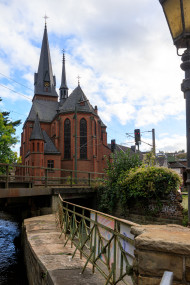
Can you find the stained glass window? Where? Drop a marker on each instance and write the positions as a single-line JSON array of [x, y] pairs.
[[67, 139], [83, 139]]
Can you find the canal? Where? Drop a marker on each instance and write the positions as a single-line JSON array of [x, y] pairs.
[[12, 269]]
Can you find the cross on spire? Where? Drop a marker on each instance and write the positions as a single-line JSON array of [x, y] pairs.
[[78, 79], [45, 17]]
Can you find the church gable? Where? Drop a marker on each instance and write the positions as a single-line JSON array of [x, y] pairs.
[[77, 99]]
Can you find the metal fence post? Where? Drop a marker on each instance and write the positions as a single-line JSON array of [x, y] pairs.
[[71, 180], [7, 177], [46, 177], [89, 180]]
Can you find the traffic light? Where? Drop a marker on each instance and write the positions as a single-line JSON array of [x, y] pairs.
[[137, 136], [112, 145]]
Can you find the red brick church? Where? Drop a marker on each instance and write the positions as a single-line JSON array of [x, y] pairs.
[[58, 128]]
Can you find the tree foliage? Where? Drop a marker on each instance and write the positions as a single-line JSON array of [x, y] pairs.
[[7, 138], [121, 162]]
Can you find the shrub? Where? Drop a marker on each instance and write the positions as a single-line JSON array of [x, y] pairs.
[[147, 182]]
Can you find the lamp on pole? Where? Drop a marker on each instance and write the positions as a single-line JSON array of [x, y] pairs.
[[177, 13]]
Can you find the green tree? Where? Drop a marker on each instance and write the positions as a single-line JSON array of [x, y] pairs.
[[7, 138], [150, 158], [7, 121], [121, 162]]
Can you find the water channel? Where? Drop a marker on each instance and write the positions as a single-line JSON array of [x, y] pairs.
[[12, 269]]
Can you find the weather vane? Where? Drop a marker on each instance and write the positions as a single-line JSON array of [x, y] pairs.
[[45, 17], [78, 79]]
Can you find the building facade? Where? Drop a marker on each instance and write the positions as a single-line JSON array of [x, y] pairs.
[[61, 128]]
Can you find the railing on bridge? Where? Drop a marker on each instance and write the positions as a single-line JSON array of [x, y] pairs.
[[43, 176], [105, 241]]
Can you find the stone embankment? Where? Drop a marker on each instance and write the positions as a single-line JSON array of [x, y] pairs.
[[48, 261], [161, 248]]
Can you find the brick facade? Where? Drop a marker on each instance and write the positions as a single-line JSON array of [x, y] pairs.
[[43, 140]]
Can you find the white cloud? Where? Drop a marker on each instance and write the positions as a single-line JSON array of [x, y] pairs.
[[171, 143], [122, 51]]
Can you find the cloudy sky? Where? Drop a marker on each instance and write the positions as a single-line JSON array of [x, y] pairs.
[[121, 49]]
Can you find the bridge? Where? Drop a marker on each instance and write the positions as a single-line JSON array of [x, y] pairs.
[[27, 181], [106, 242]]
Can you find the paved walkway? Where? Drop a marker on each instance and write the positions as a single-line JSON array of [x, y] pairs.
[[43, 237]]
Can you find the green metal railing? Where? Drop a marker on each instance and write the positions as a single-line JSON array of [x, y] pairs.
[[105, 241], [44, 176]]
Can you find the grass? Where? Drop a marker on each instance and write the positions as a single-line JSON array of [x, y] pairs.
[[185, 201]]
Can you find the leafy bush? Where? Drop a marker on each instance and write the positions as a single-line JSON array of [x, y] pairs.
[[147, 183]]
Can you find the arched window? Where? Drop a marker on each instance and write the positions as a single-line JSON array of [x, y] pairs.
[[83, 139], [94, 128], [67, 139]]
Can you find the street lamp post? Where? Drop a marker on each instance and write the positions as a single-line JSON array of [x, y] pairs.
[[177, 13], [75, 116]]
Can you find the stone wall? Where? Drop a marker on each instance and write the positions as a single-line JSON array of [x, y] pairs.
[[161, 248], [170, 211]]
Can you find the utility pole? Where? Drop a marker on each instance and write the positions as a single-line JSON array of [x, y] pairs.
[[153, 142], [76, 143]]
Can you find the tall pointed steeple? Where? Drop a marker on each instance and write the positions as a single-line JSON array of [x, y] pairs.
[[44, 81], [63, 90]]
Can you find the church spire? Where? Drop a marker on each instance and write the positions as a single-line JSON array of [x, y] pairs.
[[44, 81], [63, 88]]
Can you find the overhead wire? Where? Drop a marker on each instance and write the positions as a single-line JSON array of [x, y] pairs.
[[16, 81]]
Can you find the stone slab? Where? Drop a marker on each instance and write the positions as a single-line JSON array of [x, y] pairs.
[[165, 238], [155, 263]]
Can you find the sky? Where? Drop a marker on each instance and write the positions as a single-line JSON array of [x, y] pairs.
[[121, 49]]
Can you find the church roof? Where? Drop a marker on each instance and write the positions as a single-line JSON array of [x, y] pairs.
[[77, 98], [46, 110], [45, 72], [49, 147], [36, 131]]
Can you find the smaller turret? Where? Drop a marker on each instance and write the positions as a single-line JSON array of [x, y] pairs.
[[63, 90]]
